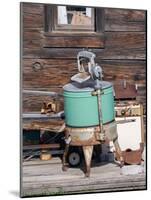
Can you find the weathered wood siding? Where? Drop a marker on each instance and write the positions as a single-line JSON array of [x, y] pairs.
[[121, 52]]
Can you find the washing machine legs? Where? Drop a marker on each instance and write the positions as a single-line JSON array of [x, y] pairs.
[[118, 151], [64, 162], [87, 150]]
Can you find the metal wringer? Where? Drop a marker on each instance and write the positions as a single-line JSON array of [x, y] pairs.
[[89, 110]]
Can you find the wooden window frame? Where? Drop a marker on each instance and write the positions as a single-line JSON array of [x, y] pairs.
[[70, 27], [52, 26], [50, 31]]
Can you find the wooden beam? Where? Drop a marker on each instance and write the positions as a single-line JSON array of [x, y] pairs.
[[41, 146]]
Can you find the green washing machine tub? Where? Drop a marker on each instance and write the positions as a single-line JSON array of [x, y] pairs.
[[81, 108]]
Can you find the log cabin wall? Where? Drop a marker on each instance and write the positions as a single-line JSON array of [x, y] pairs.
[[49, 62]]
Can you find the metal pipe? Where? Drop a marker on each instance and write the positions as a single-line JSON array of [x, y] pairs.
[[36, 92], [100, 110], [125, 121], [98, 93], [38, 116]]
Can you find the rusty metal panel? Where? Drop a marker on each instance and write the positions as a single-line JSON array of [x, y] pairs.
[[132, 157], [127, 91]]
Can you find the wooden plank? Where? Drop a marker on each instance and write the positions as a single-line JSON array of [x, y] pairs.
[[91, 188], [60, 64], [32, 8], [32, 34], [41, 146], [128, 15], [100, 15], [123, 53], [49, 12], [32, 20], [32, 44], [116, 25], [47, 178], [125, 20], [125, 40], [43, 125], [59, 78], [71, 53], [74, 41], [132, 71]]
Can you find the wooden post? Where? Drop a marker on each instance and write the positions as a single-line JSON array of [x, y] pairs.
[[142, 129]]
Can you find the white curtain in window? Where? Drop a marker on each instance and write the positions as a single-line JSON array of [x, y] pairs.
[[62, 15], [88, 12]]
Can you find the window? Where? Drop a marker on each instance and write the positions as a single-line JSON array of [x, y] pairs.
[[74, 18], [73, 27]]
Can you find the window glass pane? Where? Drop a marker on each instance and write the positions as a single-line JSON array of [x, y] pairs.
[[73, 15]]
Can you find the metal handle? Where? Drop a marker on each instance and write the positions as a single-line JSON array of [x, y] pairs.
[[86, 54]]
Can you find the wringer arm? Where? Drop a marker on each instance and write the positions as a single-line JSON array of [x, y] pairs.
[[94, 70]]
